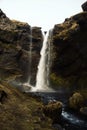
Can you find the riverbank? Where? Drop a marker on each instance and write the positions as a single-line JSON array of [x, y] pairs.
[[69, 119], [20, 111]]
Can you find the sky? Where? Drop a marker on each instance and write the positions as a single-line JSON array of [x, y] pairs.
[[41, 13]]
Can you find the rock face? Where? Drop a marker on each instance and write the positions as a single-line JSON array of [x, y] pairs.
[[15, 40], [84, 6], [69, 53]]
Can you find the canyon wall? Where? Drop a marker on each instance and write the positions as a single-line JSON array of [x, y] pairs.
[[15, 40], [69, 55]]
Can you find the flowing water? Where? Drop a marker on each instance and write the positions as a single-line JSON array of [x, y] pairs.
[[71, 121], [27, 85], [30, 56], [42, 80]]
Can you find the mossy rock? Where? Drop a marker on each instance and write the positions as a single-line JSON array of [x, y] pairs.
[[76, 101], [65, 82], [53, 109], [83, 111]]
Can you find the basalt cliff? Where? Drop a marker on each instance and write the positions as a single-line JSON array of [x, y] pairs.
[[69, 67], [69, 50], [15, 42]]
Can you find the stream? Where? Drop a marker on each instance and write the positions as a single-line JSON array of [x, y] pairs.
[[69, 120]]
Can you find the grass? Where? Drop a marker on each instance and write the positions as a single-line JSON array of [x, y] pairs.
[[21, 111]]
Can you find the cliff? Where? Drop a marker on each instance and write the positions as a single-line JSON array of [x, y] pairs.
[[15, 40], [69, 67]]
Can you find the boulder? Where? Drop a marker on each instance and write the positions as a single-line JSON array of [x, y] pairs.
[[84, 6], [76, 101], [83, 111], [53, 109]]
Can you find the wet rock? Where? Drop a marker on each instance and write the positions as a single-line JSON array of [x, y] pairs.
[[58, 127], [83, 111], [84, 6], [45, 32], [76, 101], [53, 109]]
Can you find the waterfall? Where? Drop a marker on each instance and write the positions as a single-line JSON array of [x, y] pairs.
[[42, 77], [42, 80], [30, 56], [49, 62], [27, 85]]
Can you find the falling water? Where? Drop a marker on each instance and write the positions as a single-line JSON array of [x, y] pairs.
[[42, 78], [42, 82], [41, 74], [49, 61], [26, 85], [30, 56]]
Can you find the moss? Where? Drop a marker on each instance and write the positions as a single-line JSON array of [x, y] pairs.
[[61, 81], [18, 22], [21, 111], [71, 81], [76, 101], [83, 92]]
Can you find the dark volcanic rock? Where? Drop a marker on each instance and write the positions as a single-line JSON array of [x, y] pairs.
[[53, 109], [3, 95], [15, 40], [2, 15], [84, 6], [69, 53]]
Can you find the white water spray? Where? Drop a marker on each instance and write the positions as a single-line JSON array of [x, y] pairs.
[[42, 78], [42, 81], [27, 86], [49, 62]]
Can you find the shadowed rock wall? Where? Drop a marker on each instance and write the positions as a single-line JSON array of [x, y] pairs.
[[15, 38], [69, 66]]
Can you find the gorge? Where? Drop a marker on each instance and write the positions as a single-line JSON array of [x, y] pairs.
[[48, 67]]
